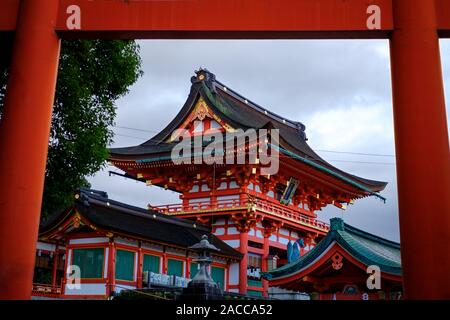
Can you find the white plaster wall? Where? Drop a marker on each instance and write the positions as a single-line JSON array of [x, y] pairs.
[[89, 240], [234, 274], [228, 198], [105, 275], [86, 289], [45, 246]]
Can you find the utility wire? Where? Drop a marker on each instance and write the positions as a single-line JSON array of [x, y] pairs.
[[357, 153], [318, 150]]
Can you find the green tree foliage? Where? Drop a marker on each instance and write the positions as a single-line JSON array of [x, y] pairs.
[[92, 76]]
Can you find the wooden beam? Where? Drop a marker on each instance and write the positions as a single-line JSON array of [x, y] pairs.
[[250, 19], [443, 17], [216, 18]]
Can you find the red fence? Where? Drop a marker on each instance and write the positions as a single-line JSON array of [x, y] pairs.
[[269, 207]]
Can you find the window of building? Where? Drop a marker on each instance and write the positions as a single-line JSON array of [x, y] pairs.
[[254, 293], [218, 275], [175, 267], [151, 263], [125, 265], [90, 262], [193, 269]]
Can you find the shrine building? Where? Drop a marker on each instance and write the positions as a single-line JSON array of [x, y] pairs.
[[120, 247], [267, 207], [339, 267]]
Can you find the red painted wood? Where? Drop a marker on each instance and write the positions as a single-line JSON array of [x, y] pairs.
[[264, 266], [24, 134], [200, 18], [422, 148], [195, 19], [243, 238], [55, 266]]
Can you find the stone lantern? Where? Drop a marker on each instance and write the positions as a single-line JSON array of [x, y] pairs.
[[202, 286]]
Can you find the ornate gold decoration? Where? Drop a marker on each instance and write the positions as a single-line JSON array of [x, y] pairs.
[[201, 111], [76, 220], [336, 260]]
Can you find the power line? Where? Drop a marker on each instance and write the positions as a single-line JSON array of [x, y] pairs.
[[128, 136], [136, 129], [364, 162], [357, 153], [318, 150]]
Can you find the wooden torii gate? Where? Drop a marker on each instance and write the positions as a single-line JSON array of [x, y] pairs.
[[421, 134]]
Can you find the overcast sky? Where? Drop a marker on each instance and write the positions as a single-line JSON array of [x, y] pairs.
[[340, 90]]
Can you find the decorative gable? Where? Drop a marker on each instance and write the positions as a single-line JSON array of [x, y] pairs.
[[203, 119]]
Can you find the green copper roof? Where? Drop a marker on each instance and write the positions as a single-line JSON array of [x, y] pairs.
[[367, 248]]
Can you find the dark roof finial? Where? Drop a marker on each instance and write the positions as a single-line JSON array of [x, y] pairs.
[[337, 224], [204, 75]]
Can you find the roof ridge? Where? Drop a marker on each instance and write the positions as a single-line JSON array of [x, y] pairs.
[[211, 82]]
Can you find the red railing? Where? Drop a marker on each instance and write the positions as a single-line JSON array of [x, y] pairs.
[[178, 208], [289, 212], [269, 207], [45, 290]]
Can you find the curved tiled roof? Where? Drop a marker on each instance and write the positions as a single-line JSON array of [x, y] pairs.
[[144, 224], [238, 112], [367, 248]]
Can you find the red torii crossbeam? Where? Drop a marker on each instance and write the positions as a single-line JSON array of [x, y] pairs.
[[421, 132]]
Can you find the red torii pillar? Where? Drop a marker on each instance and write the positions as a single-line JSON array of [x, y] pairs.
[[24, 134], [422, 148]]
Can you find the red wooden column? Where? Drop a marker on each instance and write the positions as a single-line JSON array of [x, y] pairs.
[[264, 266], [422, 147], [111, 276], [243, 248], [139, 267], [55, 268], [24, 134]]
